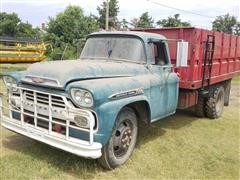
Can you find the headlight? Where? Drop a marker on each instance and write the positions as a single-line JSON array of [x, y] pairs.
[[11, 83], [82, 97]]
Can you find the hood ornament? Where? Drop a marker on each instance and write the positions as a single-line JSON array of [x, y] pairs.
[[37, 80]]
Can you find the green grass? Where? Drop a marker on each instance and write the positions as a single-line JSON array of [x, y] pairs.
[[236, 80], [179, 147]]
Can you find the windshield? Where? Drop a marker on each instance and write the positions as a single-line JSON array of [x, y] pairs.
[[114, 48]]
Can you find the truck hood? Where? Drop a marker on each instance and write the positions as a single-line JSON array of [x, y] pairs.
[[75, 70]]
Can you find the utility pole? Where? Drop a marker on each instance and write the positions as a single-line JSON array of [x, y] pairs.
[[107, 15]]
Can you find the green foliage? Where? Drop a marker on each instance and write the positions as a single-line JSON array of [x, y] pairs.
[[145, 21], [56, 53], [68, 29], [226, 23], [69, 53], [124, 23], [26, 30], [134, 22], [237, 29], [174, 21], [8, 24], [113, 12], [71, 25], [12, 26]]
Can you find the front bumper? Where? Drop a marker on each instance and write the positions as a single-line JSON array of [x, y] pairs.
[[81, 149], [42, 125]]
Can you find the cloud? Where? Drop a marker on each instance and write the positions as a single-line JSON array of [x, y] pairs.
[[32, 2]]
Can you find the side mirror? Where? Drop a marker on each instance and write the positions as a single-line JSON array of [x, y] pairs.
[[182, 54]]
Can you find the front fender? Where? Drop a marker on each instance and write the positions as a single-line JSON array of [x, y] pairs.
[[107, 114], [16, 75]]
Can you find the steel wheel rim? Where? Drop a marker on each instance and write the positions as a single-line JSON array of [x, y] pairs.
[[122, 139]]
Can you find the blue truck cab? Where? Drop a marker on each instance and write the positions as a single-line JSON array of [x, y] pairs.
[[91, 107]]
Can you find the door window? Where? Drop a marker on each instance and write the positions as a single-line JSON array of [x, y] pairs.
[[158, 55]]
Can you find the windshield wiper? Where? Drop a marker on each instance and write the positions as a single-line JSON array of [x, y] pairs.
[[109, 53], [125, 60]]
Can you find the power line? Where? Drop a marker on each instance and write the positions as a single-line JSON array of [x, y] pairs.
[[170, 7]]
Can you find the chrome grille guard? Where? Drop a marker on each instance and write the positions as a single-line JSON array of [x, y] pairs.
[[52, 103]]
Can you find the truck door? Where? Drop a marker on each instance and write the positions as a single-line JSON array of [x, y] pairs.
[[164, 90]]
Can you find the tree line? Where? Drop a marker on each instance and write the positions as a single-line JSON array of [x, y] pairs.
[[67, 30]]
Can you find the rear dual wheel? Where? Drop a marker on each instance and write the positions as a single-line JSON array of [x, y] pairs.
[[122, 142], [212, 106], [200, 107], [215, 104]]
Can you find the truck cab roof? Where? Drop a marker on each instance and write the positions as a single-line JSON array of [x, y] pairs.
[[142, 35]]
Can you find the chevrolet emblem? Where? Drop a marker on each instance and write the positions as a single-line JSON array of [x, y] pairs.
[[37, 80]]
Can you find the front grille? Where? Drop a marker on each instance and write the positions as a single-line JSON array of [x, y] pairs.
[[45, 108], [52, 114], [42, 98]]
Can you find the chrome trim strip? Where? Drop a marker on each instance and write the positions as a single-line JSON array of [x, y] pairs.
[[125, 94]]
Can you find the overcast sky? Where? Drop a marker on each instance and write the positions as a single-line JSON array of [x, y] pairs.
[[38, 11]]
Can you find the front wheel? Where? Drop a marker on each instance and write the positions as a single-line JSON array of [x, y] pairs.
[[122, 142]]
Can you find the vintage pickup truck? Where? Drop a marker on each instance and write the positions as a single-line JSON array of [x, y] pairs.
[[91, 107]]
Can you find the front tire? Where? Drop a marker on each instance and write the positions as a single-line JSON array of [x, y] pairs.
[[122, 141]]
